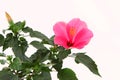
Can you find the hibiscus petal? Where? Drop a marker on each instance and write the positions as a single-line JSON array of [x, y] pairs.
[[61, 36], [60, 40], [82, 38], [60, 29], [81, 45], [76, 25]]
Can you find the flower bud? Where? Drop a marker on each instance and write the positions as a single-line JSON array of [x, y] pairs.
[[10, 21]]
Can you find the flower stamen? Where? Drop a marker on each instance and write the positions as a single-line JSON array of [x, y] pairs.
[[72, 31], [69, 44]]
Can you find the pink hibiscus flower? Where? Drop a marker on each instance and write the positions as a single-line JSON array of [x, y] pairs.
[[73, 34]]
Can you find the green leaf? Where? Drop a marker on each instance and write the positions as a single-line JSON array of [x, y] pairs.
[[20, 48], [1, 40], [37, 68], [9, 41], [52, 37], [40, 56], [18, 51], [52, 40], [66, 74], [63, 54], [37, 44], [2, 61], [42, 76], [2, 55], [88, 62], [23, 44], [7, 75], [27, 29], [17, 26], [16, 64], [58, 64], [9, 58], [37, 34]]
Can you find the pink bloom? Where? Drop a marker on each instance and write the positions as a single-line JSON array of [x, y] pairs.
[[73, 34]]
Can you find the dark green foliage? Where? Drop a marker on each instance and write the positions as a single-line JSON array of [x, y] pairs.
[[66, 74], [20, 48], [41, 55], [16, 64], [8, 75], [9, 41], [57, 64], [42, 76], [1, 40], [37, 44], [17, 27], [37, 34], [2, 61], [63, 54], [88, 62]]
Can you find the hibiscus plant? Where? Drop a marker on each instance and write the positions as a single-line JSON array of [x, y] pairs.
[[49, 53]]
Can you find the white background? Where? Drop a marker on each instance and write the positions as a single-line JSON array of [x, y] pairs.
[[101, 16]]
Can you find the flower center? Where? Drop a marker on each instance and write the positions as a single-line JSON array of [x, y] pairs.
[[72, 31], [69, 44]]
